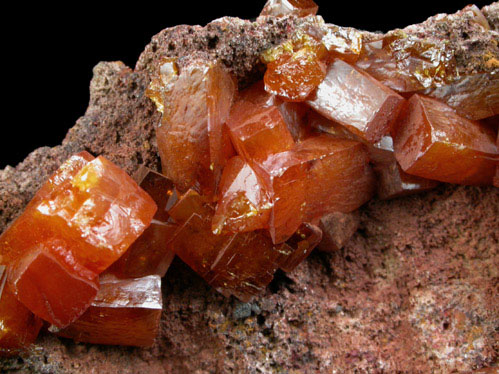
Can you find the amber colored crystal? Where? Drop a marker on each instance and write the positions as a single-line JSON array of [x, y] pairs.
[[124, 312], [342, 42], [18, 326], [434, 142], [295, 115], [244, 204], [284, 176], [406, 63], [239, 264], [299, 246], [339, 177], [357, 101], [474, 96], [151, 253], [162, 81], [257, 127], [190, 136], [48, 281], [293, 77], [188, 204], [279, 8], [337, 229]]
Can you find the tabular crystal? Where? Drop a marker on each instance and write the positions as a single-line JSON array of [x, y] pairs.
[[124, 312], [357, 101], [434, 142]]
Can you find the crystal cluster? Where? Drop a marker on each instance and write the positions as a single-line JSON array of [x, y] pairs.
[[251, 181]]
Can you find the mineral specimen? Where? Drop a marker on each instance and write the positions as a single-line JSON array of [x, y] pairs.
[[18, 326], [434, 142], [190, 136], [299, 246], [124, 312], [357, 101]]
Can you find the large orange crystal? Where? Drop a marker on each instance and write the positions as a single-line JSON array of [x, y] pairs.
[[124, 312], [18, 326], [434, 142], [357, 101], [244, 204], [339, 178], [190, 136], [280, 8], [49, 281], [80, 222]]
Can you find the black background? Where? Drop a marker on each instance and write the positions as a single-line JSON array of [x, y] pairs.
[[49, 51]]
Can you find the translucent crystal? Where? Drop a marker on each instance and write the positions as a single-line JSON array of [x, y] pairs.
[[18, 326], [357, 101], [190, 136], [278, 8], [299, 246], [124, 312], [434, 142]]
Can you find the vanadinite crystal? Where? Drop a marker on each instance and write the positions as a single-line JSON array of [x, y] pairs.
[[191, 139], [81, 221], [434, 142], [18, 326], [337, 228], [151, 253], [279, 8], [357, 101], [124, 312]]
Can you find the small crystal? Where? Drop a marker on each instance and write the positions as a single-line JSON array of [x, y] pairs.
[[357, 101], [434, 142], [279, 8], [244, 204], [337, 229], [124, 312], [299, 246]]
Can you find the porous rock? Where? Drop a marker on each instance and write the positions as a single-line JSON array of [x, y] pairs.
[[413, 291]]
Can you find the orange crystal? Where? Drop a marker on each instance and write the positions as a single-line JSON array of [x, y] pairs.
[[294, 76], [299, 246], [406, 63], [279, 8], [52, 285], [244, 204], [357, 101], [339, 178], [257, 127], [124, 312], [190, 136], [434, 142], [150, 254], [18, 326]]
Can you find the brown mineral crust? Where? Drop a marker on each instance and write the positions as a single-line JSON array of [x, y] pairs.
[[491, 12], [413, 291]]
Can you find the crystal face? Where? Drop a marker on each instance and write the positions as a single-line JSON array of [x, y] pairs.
[[18, 326], [337, 228], [434, 142], [190, 136], [124, 312], [357, 101]]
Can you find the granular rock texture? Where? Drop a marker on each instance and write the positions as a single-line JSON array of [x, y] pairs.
[[413, 291]]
